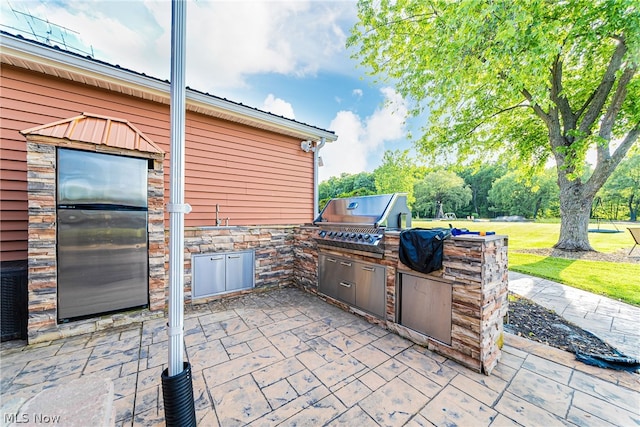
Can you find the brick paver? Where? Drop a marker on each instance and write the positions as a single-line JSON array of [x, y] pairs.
[[285, 357]]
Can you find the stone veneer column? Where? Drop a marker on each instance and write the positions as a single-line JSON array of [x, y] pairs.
[[42, 285], [305, 271], [158, 276], [477, 267], [42, 265]]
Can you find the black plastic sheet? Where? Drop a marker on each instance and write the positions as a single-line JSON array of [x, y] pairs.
[[620, 362]]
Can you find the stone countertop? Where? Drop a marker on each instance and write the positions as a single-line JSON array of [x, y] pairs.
[[464, 237]]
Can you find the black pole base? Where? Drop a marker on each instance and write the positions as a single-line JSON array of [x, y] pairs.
[[177, 392]]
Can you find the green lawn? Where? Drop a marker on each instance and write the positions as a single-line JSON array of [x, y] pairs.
[[616, 280]]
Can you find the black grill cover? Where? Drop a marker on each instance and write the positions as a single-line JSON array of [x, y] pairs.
[[421, 248]]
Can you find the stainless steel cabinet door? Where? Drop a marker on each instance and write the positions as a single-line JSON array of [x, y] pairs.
[[425, 306], [239, 273], [102, 261], [370, 288], [327, 266], [221, 272], [208, 274]]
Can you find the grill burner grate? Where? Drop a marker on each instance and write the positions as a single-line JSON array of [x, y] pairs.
[[359, 223]]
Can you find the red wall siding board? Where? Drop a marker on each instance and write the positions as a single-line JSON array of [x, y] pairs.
[[199, 161], [271, 177], [256, 176], [259, 142], [13, 235], [14, 205], [13, 226], [10, 194], [39, 90], [8, 166], [6, 184], [13, 251], [10, 154], [13, 216], [251, 139]]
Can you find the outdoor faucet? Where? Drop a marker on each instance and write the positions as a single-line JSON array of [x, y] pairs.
[[218, 219]]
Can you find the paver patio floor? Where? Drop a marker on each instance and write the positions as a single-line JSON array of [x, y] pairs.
[[285, 357]]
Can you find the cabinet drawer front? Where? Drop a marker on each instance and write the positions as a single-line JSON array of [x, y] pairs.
[[208, 275], [346, 292]]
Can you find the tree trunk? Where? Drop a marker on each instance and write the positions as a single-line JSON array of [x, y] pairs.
[[575, 210], [440, 213]]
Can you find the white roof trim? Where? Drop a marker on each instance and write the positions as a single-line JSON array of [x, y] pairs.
[[34, 56]]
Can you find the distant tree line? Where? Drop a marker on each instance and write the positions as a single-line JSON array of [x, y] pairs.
[[488, 190]]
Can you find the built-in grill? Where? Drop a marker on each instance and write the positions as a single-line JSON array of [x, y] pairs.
[[359, 223]]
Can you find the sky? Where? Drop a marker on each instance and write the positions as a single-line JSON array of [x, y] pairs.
[[285, 57]]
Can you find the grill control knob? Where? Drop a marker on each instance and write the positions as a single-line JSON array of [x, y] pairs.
[[353, 235], [330, 234], [323, 233], [360, 236], [367, 238], [339, 234]]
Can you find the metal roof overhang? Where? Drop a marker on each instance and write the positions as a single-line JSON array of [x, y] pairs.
[[34, 56]]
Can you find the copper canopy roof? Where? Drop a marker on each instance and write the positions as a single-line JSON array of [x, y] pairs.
[[98, 130]]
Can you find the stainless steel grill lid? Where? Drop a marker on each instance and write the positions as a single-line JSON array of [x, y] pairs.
[[359, 223], [385, 210]]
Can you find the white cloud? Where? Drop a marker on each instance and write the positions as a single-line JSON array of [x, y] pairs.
[[134, 35], [357, 93], [360, 142], [227, 41], [278, 106]]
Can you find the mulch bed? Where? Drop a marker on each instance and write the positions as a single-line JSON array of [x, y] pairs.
[[532, 321]]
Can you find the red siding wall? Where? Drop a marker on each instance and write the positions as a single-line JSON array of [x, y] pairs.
[[257, 177]]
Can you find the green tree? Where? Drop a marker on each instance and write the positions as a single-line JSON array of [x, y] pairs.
[[624, 187], [440, 188], [480, 179], [531, 198], [396, 174], [346, 185], [362, 182], [530, 79]]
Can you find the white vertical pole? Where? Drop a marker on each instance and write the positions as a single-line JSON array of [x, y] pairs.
[[176, 206]]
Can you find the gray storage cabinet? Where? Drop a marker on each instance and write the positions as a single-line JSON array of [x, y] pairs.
[[356, 283], [221, 272]]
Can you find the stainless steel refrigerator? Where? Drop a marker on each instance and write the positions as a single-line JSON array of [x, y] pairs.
[[102, 248]]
